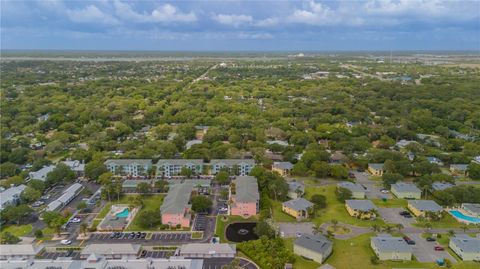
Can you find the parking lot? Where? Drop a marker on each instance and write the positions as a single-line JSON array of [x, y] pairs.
[[161, 237], [291, 229], [392, 215], [54, 255], [179, 237], [123, 237], [373, 187], [218, 263], [200, 222], [424, 251]]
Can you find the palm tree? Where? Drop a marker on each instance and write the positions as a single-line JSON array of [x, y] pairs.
[[387, 228], [83, 228], [464, 227], [428, 225], [399, 227], [451, 233], [316, 228], [334, 223], [376, 227]]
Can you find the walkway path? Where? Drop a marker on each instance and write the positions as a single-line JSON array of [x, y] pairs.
[[354, 230]]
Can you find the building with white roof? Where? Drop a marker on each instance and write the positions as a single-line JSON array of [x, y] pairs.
[[67, 196], [19, 252], [207, 250], [11, 196], [42, 173], [111, 251], [387, 247]]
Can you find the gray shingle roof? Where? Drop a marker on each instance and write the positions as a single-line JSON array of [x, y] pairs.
[[459, 167], [232, 161], [298, 204], [475, 208], [110, 249], [294, 185], [387, 243], [177, 198], [180, 161], [466, 243], [354, 187], [317, 243], [10, 194], [283, 165], [361, 205], [246, 189], [405, 187], [425, 205], [128, 161], [440, 186], [42, 173]]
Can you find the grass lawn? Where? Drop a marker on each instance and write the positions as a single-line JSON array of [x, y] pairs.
[[18, 231], [448, 221], [375, 178], [357, 251], [222, 225], [150, 202], [335, 209], [391, 203], [279, 215]]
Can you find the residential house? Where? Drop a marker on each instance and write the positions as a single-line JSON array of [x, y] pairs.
[[403, 143], [283, 168], [19, 252], [42, 173], [207, 250], [244, 197], [295, 189], [76, 166], [419, 208], [476, 159], [376, 169], [338, 157], [11, 196], [358, 191], [129, 167], [67, 196], [387, 247], [406, 191], [466, 247], [173, 167], [434, 160], [297, 208], [459, 169], [313, 247], [176, 207], [241, 167], [363, 209], [440, 186], [111, 251], [471, 209]]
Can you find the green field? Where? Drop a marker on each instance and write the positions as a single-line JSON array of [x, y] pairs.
[[335, 209], [21, 230], [448, 221], [150, 202]]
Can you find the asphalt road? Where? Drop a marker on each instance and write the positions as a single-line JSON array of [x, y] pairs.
[[373, 191], [392, 215], [424, 251]]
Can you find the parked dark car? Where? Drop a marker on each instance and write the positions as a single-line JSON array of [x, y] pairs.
[[143, 235], [430, 239], [143, 254], [112, 235], [69, 253]]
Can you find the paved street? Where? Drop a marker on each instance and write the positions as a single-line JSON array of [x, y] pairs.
[[291, 229], [392, 215], [54, 255], [424, 251], [373, 191]]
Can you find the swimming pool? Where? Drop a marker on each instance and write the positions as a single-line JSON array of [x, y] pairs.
[[123, 214], [459, 215]]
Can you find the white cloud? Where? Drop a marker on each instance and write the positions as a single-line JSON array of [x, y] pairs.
[[269, 22], [233, 20], [91, 14], [165, 13]]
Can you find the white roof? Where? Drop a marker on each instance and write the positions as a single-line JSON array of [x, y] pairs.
[[111, 249], [10, 194], [42, 173], [23, 249], [207, 248]]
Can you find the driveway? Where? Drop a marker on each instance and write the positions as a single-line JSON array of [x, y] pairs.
[[424, 250], [392, 215], [373, 191], [291, 229]]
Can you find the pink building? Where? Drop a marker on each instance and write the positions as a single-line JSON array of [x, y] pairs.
[[244, 196], [176, 208]]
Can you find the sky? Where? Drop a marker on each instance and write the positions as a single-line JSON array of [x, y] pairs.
[[248, 25]]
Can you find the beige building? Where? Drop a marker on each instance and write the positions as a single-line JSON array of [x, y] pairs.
[[406, 191], [358, 192], [376, 169], [314, 247], [420, 207], [387, 247], [362, 209], [283, 168]]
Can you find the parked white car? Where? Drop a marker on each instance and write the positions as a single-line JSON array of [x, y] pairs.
[[65, 242]]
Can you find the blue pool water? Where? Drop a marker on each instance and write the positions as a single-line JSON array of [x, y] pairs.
[[123, 214], [459, 215]]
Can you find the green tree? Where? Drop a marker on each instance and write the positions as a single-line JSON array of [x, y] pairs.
[[37, 185], [148, 218], [15, 213], [391, 178], [186, 172], [321, 169], [201, 203], [474, 171], [339, 171], [300, 169], [161, 185], [319, 200], [222, 177], [94, 169], [263, 229], [144, 187], [8, 169], [61, 173], [30, 194], [8, 238], [343, 194]]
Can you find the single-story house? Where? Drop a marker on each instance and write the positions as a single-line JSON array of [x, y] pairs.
[[111, 251], [387, 247], [440, 186], [19, 252], [297, 208], [406, 191], [420, 207], [338, 157], [314, 247], [459, 169], [472, 209], [434, 160], [363, 209], [358, 192], [207, 250], [376, 169], [476, 159], [11, 196], [283, 168], [42, 173], [466, 247]]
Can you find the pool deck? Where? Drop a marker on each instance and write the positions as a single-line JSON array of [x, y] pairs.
[[463, 213], [112, 222]]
